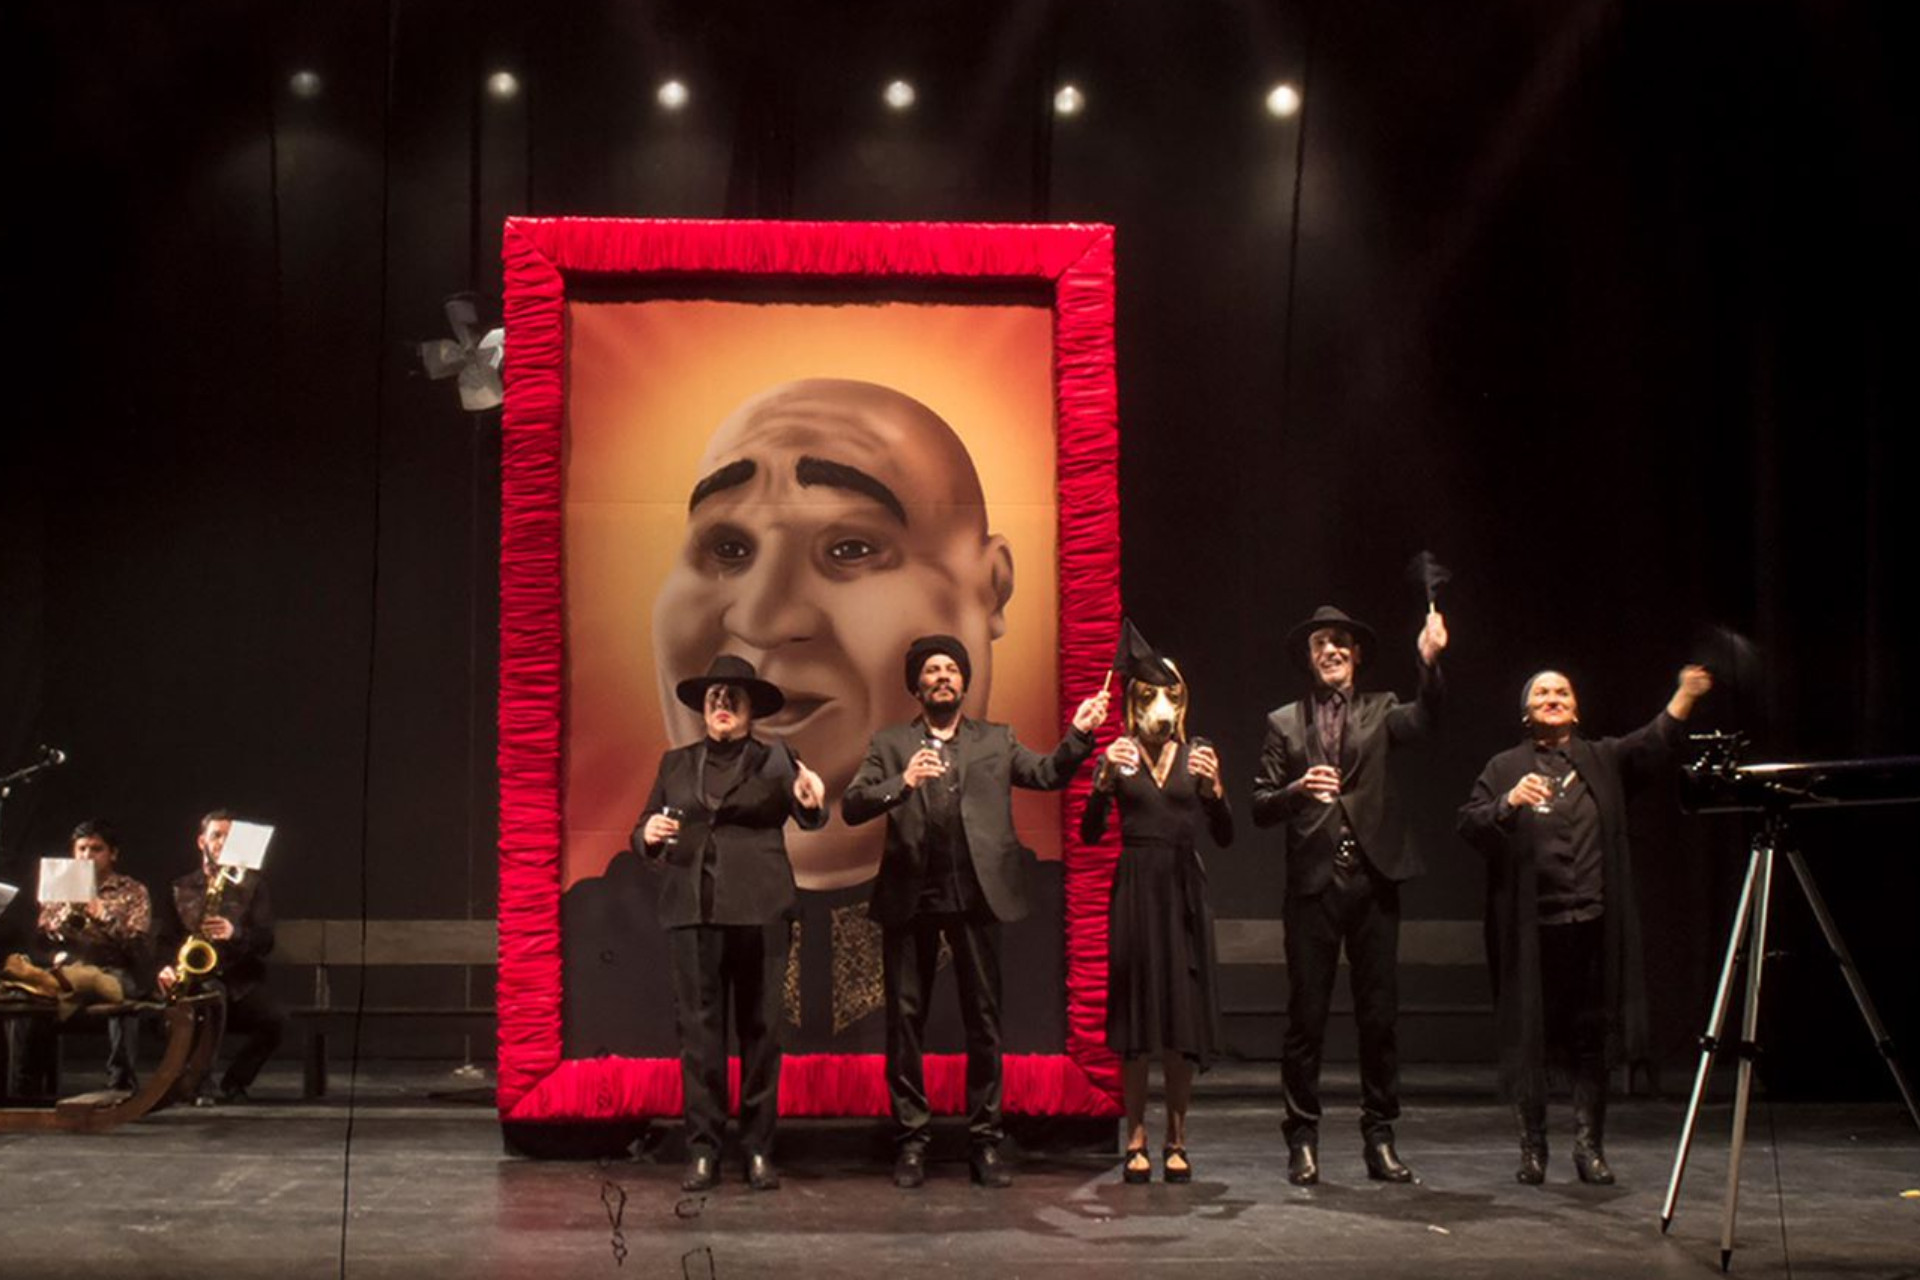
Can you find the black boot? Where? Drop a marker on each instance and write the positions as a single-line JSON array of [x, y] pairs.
[[1590, 1128], [1533, 1143]]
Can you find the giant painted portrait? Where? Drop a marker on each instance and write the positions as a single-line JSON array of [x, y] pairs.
[[804, 445]]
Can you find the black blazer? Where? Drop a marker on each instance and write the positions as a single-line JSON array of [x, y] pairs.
[[991, 762], [752, 879], [1376, 723]]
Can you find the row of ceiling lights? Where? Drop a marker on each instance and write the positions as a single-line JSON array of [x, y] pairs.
[[1282, 100]]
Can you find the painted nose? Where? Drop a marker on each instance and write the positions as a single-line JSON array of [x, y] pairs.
[[773, 602]]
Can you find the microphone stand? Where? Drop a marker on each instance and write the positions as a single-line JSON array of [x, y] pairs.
[[9, 781]]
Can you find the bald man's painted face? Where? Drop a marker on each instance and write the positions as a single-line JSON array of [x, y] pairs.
[[832, 523]]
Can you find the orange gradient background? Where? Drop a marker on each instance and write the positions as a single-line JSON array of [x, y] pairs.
[[647, 384]]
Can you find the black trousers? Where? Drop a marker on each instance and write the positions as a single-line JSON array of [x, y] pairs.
[[1573, 992], [1361, 909], [911, 954], [256, 1014], [717, 968]]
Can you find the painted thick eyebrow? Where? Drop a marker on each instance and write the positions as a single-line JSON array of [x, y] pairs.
[[838, 475], [730, 476]]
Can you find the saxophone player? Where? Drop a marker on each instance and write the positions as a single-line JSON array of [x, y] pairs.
[[241, 933]]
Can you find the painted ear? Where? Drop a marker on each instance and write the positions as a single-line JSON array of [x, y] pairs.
[[1000, 583]]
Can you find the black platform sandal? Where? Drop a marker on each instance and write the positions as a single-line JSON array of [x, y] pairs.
[[1136, 1174], [1171, 1174]]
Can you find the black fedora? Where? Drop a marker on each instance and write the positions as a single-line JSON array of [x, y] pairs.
[[764, 698], [1326, 616]]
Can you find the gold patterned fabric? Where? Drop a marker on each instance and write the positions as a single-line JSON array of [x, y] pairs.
[[858, 986]]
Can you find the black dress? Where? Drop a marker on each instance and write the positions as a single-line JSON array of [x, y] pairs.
[[1160, 968]]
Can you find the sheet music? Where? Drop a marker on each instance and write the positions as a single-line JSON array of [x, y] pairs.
[[66, 880], [246, 845]]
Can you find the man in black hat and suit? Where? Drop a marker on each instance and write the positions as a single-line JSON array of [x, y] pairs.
[[1323, 780], [952, 867], [712, 824]]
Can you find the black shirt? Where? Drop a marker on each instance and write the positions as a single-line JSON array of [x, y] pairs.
[[722, 771], [949, 884], [1571, 880]]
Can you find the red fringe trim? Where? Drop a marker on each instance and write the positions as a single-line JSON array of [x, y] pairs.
[[535, 1082], [817, 1084]]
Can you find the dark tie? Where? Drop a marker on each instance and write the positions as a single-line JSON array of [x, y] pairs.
[[1330, 723]]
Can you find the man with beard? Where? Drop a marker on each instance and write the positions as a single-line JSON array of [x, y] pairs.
[[1323, 779], [953, 869]]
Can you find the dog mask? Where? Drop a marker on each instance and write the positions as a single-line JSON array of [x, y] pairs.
[[1156, 712]]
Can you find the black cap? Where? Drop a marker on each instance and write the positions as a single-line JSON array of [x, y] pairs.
[[1135, 659], [925, 647]]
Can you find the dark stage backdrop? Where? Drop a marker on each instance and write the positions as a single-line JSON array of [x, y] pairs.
[[1606, 303]]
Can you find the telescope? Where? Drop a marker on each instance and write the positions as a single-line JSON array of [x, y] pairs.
[[1715, 780]]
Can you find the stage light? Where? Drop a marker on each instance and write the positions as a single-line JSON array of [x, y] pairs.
[[502, 85], [304, 84], [899, 95], [672, 95], [1283, 101], [1068, 101]]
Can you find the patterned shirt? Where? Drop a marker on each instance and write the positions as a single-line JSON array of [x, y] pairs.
[[121, 938]]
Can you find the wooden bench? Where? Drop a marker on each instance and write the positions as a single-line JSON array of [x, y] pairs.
[[193, 1028]]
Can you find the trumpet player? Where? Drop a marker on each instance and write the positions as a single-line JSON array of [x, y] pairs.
[[113, 933], [240, 930]]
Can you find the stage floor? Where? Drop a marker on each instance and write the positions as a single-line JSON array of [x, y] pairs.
[[258, 1191]]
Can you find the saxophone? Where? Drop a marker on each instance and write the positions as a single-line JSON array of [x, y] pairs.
[[197, 956]]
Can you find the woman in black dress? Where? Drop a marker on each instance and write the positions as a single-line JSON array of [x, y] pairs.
[[1160, 980]]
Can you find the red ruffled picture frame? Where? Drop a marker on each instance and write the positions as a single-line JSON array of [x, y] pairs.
[[541, 255]]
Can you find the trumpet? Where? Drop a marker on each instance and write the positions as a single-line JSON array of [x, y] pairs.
[[197, 956]]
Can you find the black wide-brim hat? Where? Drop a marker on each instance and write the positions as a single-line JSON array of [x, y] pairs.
[[1326, 616], [762, 697]]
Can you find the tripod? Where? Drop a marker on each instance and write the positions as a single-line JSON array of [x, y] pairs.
[[1750, 934]]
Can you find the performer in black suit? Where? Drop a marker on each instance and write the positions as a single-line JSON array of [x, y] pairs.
[[1563, 934], [1323, 779], [952, 867], [713, 825]]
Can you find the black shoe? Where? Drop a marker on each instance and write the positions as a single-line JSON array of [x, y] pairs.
[[989, 1170], [910, 1168], [233, 1095], [1184, 1173], [1590, 1126], [1138, 1169], [703, 1171], [761, 1175], [1533, 1143], [1533, 1166], [1383, 1165], [1303, 1165], [1591, 1164]]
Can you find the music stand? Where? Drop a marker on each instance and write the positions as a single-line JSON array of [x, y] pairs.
[[1716, 782]]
